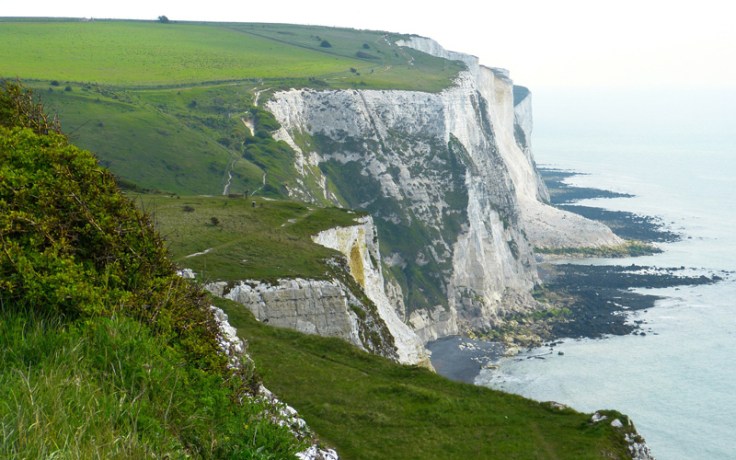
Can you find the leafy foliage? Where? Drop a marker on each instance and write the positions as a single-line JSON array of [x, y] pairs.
[[19, 108]]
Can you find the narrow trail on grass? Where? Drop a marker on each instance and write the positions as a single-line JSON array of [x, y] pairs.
[[261, 187], [258, 95], [289, 222], [229, 180], [206, 251]]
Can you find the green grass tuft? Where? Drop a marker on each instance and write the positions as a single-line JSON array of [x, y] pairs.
[[109, 388]]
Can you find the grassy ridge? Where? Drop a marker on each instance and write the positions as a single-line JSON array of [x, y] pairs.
[[371, 408]]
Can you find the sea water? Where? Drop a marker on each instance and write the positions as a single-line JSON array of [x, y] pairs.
[[676, 151]]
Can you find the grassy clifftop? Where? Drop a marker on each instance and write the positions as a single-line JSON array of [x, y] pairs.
[[371, 408], [234, 238], [173, 106]]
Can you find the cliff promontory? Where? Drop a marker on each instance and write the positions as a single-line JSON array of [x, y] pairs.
[[450, 181]]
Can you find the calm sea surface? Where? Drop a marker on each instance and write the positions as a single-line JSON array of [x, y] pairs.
[[676, 151]]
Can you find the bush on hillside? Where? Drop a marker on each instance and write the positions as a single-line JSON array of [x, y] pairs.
[[75, 253], [19, 108], [74, 246]]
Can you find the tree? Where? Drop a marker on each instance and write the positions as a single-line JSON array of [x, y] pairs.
[[163, 19]]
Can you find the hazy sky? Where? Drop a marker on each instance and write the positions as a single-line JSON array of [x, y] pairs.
[[622, 43]]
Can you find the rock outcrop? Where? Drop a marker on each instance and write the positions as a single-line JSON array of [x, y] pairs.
[[278, 412], [451, 183], [324, 307], [356, 309]]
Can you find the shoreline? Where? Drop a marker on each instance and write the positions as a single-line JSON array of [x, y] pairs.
[[586, 300]]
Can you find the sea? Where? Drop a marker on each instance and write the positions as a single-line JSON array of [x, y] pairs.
[[675, 150]]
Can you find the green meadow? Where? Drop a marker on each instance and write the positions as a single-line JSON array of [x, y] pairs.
[[244, 238], [149, 53]]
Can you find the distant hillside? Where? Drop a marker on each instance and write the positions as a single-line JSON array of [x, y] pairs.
[[173, 106], [140, 53]]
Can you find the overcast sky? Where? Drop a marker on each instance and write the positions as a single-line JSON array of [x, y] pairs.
[[573, 43]]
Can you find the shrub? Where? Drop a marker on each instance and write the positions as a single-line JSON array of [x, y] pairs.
[[18, 107], [364, 55], [325, 44]]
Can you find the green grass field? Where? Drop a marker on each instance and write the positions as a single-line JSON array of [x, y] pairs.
[[109, 388], [268, 241], [371, 408], [140, 53]]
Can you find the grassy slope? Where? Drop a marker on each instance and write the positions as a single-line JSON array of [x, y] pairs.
[[268, 241], [139, 141], [132, 84], [109, 388], [104, 351], [371, 408], [365, 406]]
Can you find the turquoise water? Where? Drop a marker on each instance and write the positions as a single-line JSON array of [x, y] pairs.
[[677, 153]]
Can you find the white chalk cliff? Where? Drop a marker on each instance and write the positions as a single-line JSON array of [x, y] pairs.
[[451, 183], [545, 226], [322, 307]]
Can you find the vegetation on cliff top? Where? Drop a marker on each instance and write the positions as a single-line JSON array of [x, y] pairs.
[[148, 53], [235, 238]]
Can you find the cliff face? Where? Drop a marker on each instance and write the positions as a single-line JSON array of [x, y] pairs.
[[449, 179], [354, 307], [323, 307], [359, 244]]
